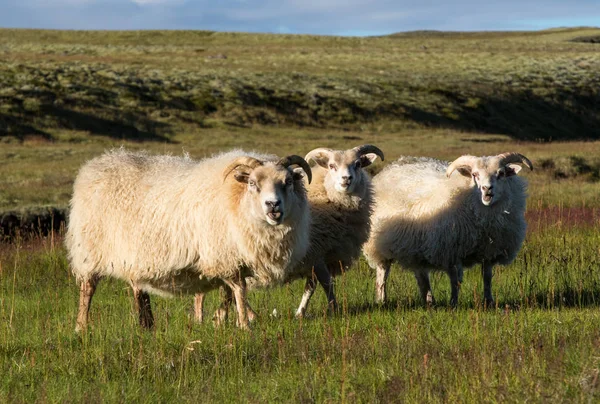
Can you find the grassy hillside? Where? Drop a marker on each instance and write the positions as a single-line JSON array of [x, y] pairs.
[[150, 85], [65, 96]]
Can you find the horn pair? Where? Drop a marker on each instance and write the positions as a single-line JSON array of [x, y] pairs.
[[503, 159], [252, 163], [359, 150]]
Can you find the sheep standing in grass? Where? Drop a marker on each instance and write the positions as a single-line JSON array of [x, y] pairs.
[[341, 203], [174, 225], [426, 221]]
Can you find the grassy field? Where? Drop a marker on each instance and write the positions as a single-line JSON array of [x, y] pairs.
[[66, 96], [542, 342]]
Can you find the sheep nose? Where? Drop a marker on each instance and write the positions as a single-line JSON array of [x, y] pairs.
[[487, 188], [347, 178], [273, 204]]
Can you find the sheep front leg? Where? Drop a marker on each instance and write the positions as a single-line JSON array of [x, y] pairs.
[[455, 274], [309, 289], [221, 314], [487, 283], [142, 304], [383, 271], [425, 287], [86, 292], [238, 286], [326, 280]]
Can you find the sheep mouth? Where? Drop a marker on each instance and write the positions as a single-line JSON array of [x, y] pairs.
[[274, 217], [487, 198], [345, 186]]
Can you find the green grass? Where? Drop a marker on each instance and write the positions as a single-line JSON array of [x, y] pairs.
[[542, 343]]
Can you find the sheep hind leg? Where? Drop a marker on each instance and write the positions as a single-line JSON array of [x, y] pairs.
[[199, 307], [238, 286], [86, 292], [144, 308], [487, 284], [425, 287], [383, 271]]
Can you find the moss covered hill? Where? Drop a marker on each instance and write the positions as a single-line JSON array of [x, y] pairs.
[[148, 85]]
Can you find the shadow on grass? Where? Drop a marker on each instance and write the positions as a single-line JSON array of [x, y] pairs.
[[34, 112], [567, 297], [522, 116]]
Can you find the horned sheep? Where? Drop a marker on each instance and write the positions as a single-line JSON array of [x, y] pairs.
[[341, 203], [426, 221], [171, 225]]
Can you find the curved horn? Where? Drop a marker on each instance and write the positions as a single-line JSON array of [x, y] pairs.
[[295, 159], [246, 161], [461, 161], [313, 153], [506, 158], [368, 148]]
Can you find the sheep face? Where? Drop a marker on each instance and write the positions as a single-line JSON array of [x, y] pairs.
[[489, 174], [272, 191], [344, 168]]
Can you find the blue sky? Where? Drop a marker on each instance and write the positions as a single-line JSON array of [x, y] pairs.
[[334, 17]]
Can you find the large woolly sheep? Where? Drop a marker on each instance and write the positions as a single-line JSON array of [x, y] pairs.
[[174, 225], [426, 221], [341, 203]]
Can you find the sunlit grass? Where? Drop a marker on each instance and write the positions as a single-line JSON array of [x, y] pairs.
[[541, 343]]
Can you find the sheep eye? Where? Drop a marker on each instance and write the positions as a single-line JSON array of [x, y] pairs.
[[252, 183], [288, 181], [333, 167], [475, 175]]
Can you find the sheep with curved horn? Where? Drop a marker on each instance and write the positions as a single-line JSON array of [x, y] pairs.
[[171, 225], [341, 203], [427, 219]]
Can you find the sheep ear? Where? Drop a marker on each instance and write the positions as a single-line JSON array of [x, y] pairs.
[[464, 170], [321, 159], [298, 174], [367, 159], [241, 176], [512, 169]]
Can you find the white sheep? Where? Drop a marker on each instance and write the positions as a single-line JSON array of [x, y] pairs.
[[174, 225], [426, 221], [341, 203]]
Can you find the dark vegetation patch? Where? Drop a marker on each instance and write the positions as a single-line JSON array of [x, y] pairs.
[[587, 39], [31, 222], [565, 167]]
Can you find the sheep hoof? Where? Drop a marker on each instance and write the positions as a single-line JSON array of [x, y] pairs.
[[489, 304]]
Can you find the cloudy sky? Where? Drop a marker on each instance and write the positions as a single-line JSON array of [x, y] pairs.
[[337, 17]]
